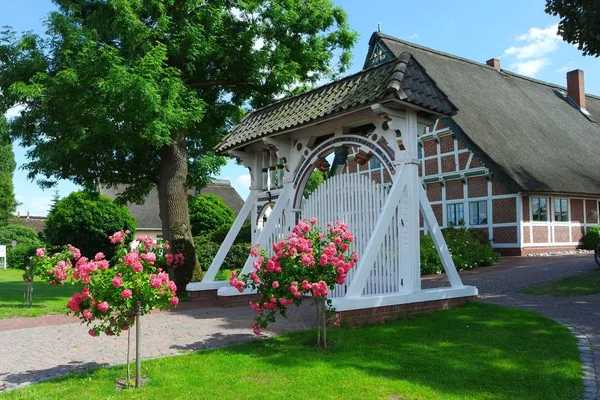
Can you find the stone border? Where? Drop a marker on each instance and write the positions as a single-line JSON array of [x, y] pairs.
[[586, 355]]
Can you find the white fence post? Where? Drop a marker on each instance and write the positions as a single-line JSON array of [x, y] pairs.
[[3, 254]]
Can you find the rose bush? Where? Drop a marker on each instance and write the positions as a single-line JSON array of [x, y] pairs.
[[307, 264], [117, 293]]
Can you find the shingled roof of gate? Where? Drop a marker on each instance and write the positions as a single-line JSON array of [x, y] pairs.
[[401, 78]]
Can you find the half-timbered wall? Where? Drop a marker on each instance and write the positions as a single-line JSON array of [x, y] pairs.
[[455, 178]]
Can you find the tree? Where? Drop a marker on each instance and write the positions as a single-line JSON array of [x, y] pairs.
[[85, 220], [8, 203], [209, 212], [315, 180], [579, 23], [139, 92]]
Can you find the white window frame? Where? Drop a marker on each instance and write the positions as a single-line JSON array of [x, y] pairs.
[[458, 221], [568, 210], [479, 203], [547, 209]]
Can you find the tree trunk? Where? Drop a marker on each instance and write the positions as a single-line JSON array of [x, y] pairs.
[[174, 213]]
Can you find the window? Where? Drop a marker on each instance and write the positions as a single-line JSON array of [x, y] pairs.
[[374, 163], [478, 212], [539, 208], [455, 214], [561, 210]]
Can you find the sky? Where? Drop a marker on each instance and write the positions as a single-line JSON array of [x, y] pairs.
[[517, 32]]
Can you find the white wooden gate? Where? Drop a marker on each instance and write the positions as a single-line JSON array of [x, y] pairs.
[[357, 201]]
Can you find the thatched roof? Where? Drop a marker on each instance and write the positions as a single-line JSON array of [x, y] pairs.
[[147, 214], [525, 130]]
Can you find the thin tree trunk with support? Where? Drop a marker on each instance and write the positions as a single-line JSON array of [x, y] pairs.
[[174, 213]]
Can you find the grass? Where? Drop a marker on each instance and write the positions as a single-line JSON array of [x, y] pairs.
[[578, 285], [475, 352], [46, 299]]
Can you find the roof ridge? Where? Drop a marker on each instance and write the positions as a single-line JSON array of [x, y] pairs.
[[453, 56], [339, 81]]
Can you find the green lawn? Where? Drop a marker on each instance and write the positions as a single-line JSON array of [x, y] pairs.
[[475, 352], [578, 285], [46, 299]]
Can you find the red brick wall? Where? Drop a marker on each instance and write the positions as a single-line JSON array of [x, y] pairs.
[[431, 167], [576, 210], [429, 148], [460, 145], [448, 164], [526, 204], [475, 163], [477, 186], [351, 165], [388, 313], [507, 234], [454, 189], [446, 144], [589, 206], [526, 235], [463, 158], [561, 234], [434, 191], [376, 176], [504, 210], [540, 234], [498, 188], [577, 233], [437, 210]]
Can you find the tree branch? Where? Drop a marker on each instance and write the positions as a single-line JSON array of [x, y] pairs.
[[219, 82]]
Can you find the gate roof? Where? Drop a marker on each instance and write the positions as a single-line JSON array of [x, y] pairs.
[[401, 78]]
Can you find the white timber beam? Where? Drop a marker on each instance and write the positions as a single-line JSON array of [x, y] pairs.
[[438, 240]]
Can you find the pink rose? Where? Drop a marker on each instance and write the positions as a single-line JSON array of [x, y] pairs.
[[126, 293], [275, 284], [174, 301], [99, 256], [87, 314], [40, 252], [92, 333], [117, 281], [103, 307], [138, 267]]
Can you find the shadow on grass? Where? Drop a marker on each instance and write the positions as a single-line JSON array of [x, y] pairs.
[[57, 374], [478, 351]]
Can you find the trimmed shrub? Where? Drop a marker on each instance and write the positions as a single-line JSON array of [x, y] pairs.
[[20, 256], [469, 248], [244, 235], [86, 220], [206, 250], [23, 235], [209, 212], [592, 238]]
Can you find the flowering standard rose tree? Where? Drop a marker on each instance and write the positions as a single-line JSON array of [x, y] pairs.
[[116, 294], [53, 269], [307, 264]]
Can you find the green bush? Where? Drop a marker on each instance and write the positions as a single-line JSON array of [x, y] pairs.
[[19, 256], [85, 220], [244, 235], [23, 235], [592, 238], [469, 248], [208, 213], [206, 250]]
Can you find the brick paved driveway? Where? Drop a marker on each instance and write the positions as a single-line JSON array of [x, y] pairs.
[[45, 347]]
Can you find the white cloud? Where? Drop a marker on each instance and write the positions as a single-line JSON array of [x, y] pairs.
[[570, 66], [538, 42], [244, 180], [14, 111], [531, 67], [36, 205], [414, 36]]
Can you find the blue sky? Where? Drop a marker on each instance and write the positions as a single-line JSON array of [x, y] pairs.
[[517, 32]]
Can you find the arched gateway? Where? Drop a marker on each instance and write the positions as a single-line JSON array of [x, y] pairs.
[[372, 116]]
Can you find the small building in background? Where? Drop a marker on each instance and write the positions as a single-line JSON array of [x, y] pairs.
[[147, 215]]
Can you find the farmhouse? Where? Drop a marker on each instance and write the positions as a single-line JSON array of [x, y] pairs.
[[519, 159], [415, 141]]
